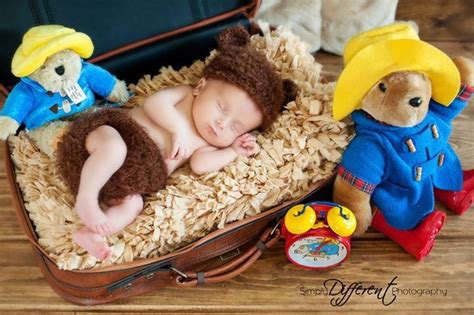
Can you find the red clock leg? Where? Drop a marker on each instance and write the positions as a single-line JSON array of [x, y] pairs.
[[458, 201], [419, 241]]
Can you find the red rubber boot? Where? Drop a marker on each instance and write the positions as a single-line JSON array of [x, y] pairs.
[[419, 241], [458, 201]]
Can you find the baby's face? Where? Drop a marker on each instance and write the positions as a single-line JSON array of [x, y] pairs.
[[223, 111]]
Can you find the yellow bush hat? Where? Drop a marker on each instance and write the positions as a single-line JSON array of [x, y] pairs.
[[40, 42], [371, 55]]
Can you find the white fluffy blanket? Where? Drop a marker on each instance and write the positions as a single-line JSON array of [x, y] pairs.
[[328, 24]]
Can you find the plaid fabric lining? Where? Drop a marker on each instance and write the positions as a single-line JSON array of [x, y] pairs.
[[465, 92], [355, 181]]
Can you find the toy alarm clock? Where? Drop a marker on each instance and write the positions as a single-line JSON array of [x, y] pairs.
[[317, 234]]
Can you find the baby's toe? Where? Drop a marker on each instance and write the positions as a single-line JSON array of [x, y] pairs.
[[94, 228], [90, 226], [104, 229], [105, 253], [100, 229], [108, 253]]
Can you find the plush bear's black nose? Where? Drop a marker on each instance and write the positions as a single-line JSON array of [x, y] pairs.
[[415, 102], [59, 70]]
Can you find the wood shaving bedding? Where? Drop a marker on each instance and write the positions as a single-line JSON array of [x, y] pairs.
[[303, 146]]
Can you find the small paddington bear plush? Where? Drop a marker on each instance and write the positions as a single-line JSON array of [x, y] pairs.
[[403, 94], [55, 81]]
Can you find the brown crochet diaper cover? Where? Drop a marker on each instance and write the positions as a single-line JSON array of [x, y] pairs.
[[144, 170]]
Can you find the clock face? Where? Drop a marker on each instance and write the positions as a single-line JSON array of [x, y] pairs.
[[317, 252]]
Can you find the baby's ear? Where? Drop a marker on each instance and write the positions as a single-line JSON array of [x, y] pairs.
[[290, 90], [233, 36], [200, 86]]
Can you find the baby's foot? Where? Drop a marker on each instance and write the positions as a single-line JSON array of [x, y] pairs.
[[92, 243], [91, 215]]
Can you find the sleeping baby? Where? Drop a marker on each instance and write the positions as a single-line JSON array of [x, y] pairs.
[[116, 156]]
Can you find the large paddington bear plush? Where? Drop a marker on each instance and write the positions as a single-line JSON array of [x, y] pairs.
[[403, 94]]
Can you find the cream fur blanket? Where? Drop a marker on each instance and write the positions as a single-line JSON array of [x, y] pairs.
[[303, 146], [328, 24]]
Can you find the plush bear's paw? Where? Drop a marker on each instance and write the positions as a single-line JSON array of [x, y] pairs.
[[8, 126], [364, 219], [356, 200], [47, 137], [119, 93], [466, 69]]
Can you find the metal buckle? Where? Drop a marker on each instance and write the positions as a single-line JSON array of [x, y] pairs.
[[224, 258], [275, 227], [179, 272]]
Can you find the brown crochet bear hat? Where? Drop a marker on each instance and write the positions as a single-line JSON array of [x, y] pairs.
[[240, 64]]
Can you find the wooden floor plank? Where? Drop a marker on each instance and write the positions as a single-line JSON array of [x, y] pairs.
[[440, 19], [450, 267]]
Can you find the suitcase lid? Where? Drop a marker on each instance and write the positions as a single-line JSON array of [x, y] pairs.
[[129, 38]]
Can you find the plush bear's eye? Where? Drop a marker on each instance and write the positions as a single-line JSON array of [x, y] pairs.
[[382, 87]]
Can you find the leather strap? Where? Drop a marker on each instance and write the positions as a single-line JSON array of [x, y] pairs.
[[261, 246], [200, 278], [232, 268]]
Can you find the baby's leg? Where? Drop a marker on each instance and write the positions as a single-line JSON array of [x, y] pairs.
[[107, 153], [122, 214], [118, 217]]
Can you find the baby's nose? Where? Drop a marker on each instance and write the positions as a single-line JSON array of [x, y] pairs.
[[222, 123]]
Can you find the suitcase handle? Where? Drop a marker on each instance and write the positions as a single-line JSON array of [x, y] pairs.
[[231, 269]]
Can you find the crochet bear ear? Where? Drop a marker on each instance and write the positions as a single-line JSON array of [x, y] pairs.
[[233, 36], [289, 91]]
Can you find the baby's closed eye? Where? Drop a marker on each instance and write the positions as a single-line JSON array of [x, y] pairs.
[[220, 107], [235, 129]]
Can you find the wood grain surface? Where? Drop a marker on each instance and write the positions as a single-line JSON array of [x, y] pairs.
[[440, 20], [272, 284]]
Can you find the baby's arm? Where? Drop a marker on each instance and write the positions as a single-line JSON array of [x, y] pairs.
[[211, 159], [160, 108]]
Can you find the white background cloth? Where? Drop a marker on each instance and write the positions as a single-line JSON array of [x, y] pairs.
[[328, 24]]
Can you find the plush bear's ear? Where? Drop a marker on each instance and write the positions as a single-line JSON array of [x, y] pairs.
[[290, 90], [233, 36]]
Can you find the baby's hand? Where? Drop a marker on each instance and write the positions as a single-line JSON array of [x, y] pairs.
[[181, 145], [246, 145]]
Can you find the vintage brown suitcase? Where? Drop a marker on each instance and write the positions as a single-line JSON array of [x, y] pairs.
[[239, 244], [245, 240]]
